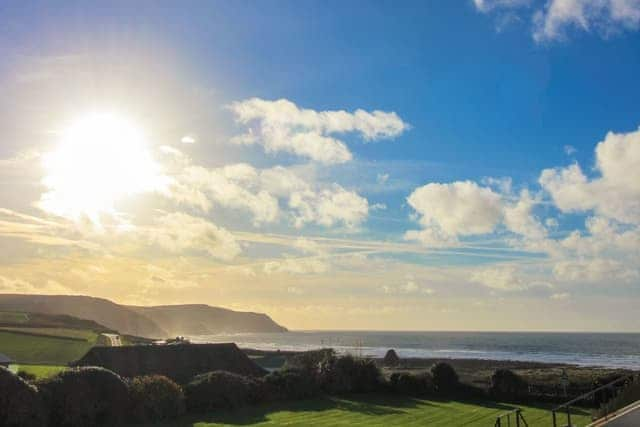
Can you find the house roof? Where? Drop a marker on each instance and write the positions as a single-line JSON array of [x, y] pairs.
[[5, 359], [178, 362]]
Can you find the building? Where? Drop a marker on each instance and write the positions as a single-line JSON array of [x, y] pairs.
[[178, 362]]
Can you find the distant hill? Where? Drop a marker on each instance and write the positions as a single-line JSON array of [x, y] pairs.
[[201, 319], [43, 320], [100, 310], [153, 322]]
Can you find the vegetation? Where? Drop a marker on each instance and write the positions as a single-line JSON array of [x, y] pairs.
[[221, 389], [444, 377], [38, 371], [20, 403], [71, 334], [36, 349], [412, 385], [506, 385], [626, 395], [371, 410], [155, 398], [86, 397], [291, 385], [346, 374]]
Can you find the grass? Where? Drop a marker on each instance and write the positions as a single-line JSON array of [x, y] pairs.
[[40, 371], [77, 334], [373, 410], [38, 349], [13, 317]]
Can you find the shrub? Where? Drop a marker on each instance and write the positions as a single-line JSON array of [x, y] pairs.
[[391, 358], [349, 375], [308, 361], [86, 397], [220, 389], [506, 385], [155, 398], [411, 385], [628, 393], [444, 377], [290, 385], [27, 376], [20, 403]]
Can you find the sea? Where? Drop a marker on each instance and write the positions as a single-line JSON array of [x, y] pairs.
[[611, 350]]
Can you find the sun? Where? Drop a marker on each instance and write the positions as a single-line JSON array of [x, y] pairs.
[[99, 160]]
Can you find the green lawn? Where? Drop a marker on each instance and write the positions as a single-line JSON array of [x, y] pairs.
[[40, 371], [33, 349], [373, 410]]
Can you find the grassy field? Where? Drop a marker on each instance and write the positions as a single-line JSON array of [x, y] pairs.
[[374, 410], [13, 317], [33, 349], [40, 371], [78, 334]]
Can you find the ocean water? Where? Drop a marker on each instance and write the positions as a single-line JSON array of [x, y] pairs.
[[614, 350]]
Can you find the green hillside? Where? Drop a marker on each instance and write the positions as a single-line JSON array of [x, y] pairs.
[[32, 348]]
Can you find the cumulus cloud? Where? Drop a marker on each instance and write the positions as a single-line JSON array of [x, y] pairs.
[[614, 194], [449, 210], [281, 126], [464, 208], [178, 232], [603, 16], [328, 207], [265, 193], [553, 20]]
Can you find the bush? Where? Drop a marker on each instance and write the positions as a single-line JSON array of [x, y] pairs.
[[27, 376], [411, 385], [308, 361], [155, 398], [86, 397], [349, 375], [391, 358], [20, 403], [506, 385], [221, 389], [290, 385], [444, 377]]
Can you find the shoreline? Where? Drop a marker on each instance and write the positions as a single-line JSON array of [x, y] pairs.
[[474, 371]]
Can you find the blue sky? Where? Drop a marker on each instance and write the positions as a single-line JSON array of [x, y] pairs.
[[478, 182]]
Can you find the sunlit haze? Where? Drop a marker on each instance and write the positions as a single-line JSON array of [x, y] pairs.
[[438, 165]]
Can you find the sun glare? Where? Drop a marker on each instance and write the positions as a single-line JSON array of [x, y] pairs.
[[100, 159]]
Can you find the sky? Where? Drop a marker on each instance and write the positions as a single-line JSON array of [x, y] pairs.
[[427, 165]]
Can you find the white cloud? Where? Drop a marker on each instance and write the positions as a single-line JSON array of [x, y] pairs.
[[614, 194], [518, 217], [281, 126], [382, 178], [455, 209], [309, 265], [329, 207], [489, 5], [408, 288], [603, 16], [261, 191], [178, 232]]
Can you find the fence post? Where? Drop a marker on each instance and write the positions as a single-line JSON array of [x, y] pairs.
[[518, 418], [569, 416], [553, 412]]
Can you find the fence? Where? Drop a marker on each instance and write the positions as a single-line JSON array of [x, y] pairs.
[[599, 395], [504, 420]]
